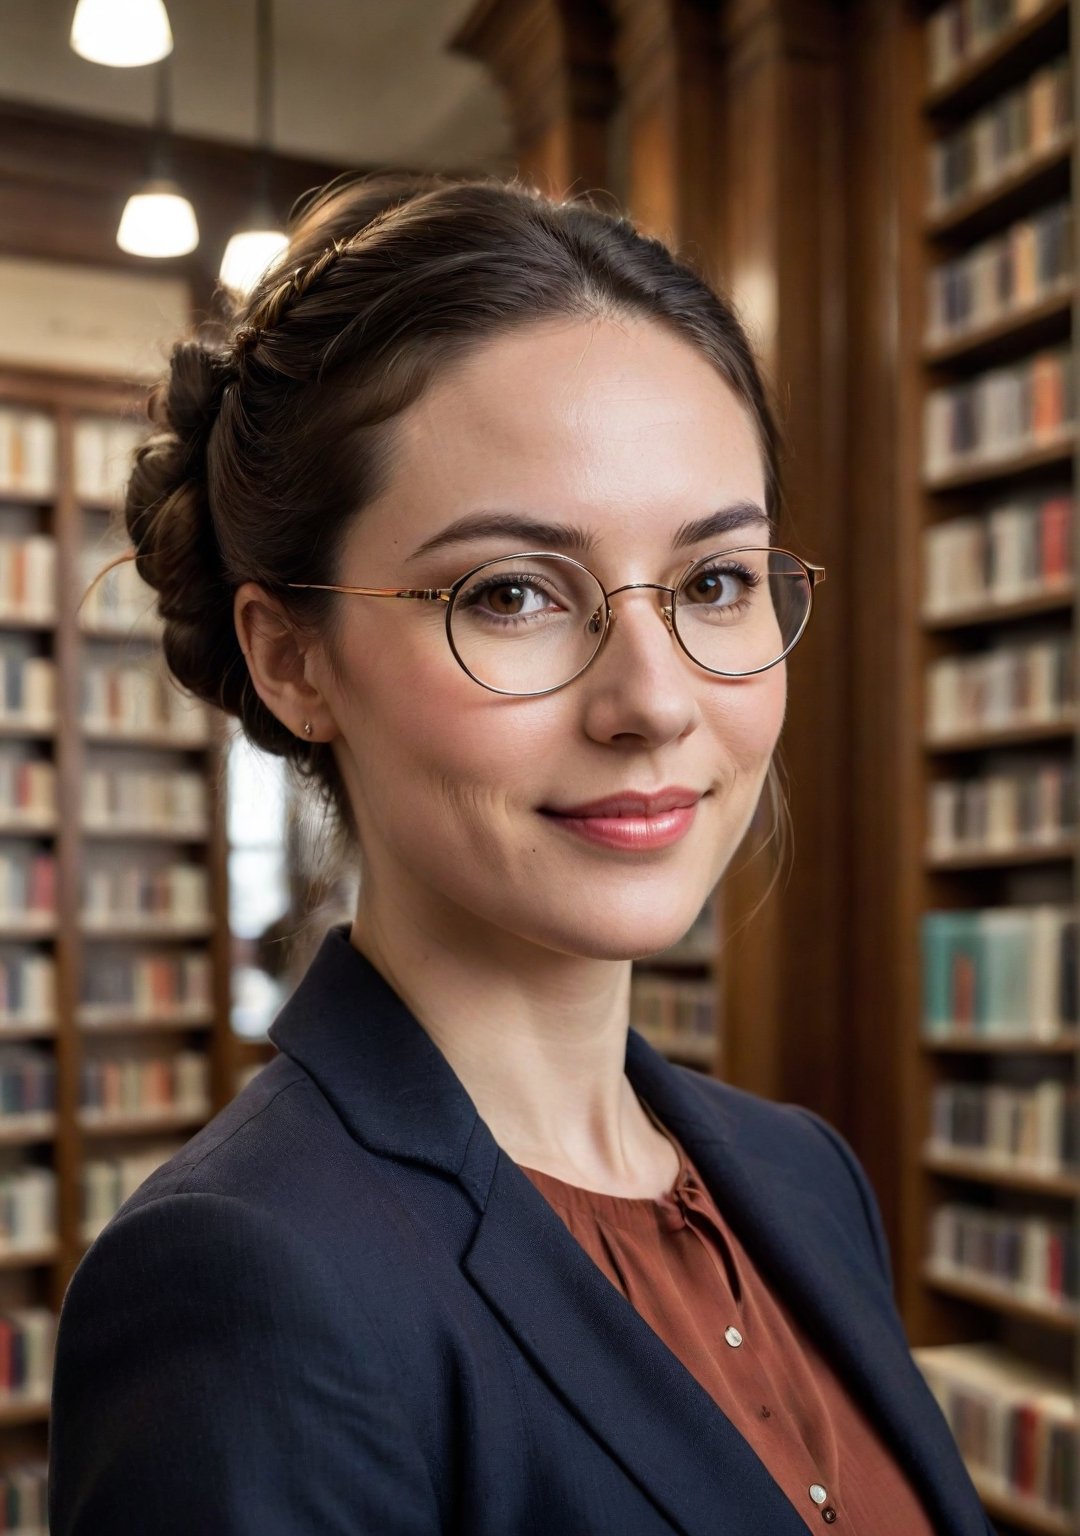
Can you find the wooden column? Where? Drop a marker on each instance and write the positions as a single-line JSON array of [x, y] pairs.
[[786, 973], [670, 122], [552, 59]]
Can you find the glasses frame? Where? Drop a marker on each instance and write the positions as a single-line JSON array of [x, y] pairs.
[[448, 595]]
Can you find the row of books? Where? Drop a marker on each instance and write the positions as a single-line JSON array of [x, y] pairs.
[[1015, 1423], [1015, 550], [27, 787], [1001, 412], [663, 1006], [28, 578], [1000, 972], [108, 1181], [1035, 1259], [27, 884], [123, 699], [1038, 1127], [27, 452], [27, 1081], [147, 984], [1030, 262], [1005, 687], [960, 30], [142, 1084], [103, 451], [119, 599], [1000, 138], [1031, 806], [120, 891], [113, 796], [24, 1498], [27, 1211], [27, 988], [27, 683], [27, 1341]]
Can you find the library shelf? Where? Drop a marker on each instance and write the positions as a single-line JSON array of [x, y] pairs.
[[1064, 1044], [1027, 1513], [999, 340], [19, 622], [1000, 62], [26, 826], [162, 1026], [1064, 1317], [1010, 1174], [150, 832], [160, 740], [19, 927], [22, 1410], [1061, 729], [1043, 176], [103, 1017], [1057, 454], [134, 1124], [126, 931], [20, 1258], [16, 1032], [15, 729], [1057, 600], [1003, 858], [24, 1130]]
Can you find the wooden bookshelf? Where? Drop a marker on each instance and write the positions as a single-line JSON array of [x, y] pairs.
[[944, 1301], [79, 1032]]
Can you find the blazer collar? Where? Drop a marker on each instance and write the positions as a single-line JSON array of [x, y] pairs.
[[398, 1095]]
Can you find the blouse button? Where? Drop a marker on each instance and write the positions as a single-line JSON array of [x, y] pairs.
[[733, 1336], [817, 1493], [828, 1514]]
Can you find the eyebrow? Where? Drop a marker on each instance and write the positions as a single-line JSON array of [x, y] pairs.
[[566, 536]]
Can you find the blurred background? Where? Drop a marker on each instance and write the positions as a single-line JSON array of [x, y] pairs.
[[883, 189]]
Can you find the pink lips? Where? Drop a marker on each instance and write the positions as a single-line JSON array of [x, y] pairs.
[[632, 820]]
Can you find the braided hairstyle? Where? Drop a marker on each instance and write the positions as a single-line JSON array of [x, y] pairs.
[[270, 438]]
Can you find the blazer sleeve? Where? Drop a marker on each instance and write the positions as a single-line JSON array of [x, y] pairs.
[[204, 1382]]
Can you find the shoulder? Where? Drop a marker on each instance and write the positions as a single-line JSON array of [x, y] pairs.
[[811, 1153]]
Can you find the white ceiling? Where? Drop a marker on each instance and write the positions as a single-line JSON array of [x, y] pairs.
[[356, 82]]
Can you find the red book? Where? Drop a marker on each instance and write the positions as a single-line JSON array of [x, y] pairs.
[[7, 1329], [1054, 519], [1055, 1264], [1025, 1426]]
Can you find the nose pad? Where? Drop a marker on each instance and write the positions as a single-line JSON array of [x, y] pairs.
[[665, 609], [596, 622]]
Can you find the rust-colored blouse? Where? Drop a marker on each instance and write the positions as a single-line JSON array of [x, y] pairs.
[[680, 1265]]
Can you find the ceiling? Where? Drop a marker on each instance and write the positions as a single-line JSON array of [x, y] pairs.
[[365, 82]]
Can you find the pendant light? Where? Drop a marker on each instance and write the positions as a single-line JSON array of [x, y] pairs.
[[158, 220], [252, 249], [122, 33]]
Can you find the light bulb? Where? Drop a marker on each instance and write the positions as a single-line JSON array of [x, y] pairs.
[[247, 256], [158, 220], [123, 33]]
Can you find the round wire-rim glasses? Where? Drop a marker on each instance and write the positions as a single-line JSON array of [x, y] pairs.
[[601, 616]]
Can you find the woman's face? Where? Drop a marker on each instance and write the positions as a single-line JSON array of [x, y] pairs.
[[623, 432]]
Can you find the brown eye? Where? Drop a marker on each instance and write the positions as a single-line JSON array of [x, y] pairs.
[[507, 599]]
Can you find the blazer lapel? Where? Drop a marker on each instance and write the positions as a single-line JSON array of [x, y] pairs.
[[795, 1237], [620, 1379]]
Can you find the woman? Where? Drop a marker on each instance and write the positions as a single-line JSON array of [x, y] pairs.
[[472, 517]]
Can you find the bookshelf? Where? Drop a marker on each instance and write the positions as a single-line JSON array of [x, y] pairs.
[[989, 1286], [115, 991], [675, 1000]]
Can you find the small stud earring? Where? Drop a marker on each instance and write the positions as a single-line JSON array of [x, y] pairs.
[[307, 727]]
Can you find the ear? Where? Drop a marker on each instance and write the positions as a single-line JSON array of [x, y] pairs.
[[282, 662]]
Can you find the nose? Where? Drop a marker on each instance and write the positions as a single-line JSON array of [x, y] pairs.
[[642, 687]]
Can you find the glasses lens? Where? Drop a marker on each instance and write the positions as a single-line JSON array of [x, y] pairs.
[[742, 610], [527, 624]]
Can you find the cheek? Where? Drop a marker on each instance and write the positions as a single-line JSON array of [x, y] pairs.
[[746, 718]]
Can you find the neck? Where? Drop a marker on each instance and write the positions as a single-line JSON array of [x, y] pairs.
[[537, 1038]]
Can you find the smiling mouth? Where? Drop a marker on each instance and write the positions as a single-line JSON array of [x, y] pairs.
[[634, 823]]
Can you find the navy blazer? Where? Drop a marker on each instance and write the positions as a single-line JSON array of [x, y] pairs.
[[342, 1310]]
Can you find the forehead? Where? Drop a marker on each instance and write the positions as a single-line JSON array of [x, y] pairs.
[[609, 421]]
